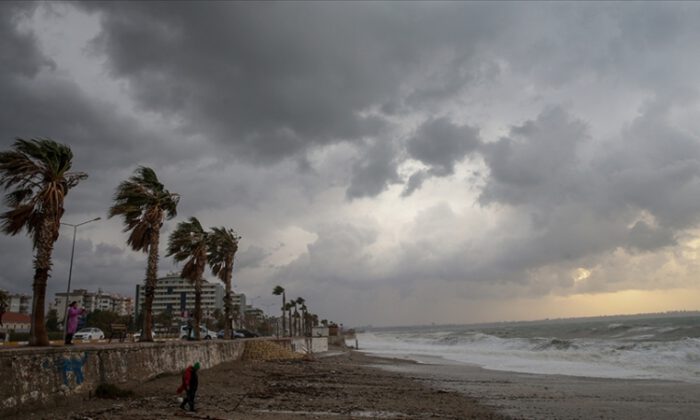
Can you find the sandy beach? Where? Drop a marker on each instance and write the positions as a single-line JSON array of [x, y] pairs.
[[350, 384], [342, 384]]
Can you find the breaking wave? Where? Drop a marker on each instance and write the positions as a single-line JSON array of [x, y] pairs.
[[632, 350]]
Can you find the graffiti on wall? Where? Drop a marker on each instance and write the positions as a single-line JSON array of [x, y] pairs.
[[73, 368]]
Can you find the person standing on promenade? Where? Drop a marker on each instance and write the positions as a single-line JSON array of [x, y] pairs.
[[72, 326], [190, 382], [190, 325]]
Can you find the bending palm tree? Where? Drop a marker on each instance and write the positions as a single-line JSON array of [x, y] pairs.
[[223, 245], [144, 203], [189, 243], [37, 174], [279, 290]]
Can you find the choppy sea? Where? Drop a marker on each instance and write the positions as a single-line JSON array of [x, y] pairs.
[[663, 347]]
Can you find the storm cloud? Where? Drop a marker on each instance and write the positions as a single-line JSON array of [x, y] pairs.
[[459, 156]]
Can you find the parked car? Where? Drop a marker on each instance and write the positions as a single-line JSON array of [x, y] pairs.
[[89, 334], [237, 334], [137, 334], [245, 334], [204, 333]]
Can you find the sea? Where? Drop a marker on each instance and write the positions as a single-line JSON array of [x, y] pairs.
[[657, 346]]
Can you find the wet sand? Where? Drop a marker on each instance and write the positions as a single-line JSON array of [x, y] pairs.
[[531, 396], [342, 385]]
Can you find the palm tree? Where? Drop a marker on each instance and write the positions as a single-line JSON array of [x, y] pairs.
[[279, 290], [36, 175], [291, 305], [302, 306], [144, 203], [297, 322], [305, 319], [223, 245], [188, 242]]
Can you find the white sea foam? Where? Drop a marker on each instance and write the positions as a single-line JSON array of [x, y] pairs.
[[637, 356]]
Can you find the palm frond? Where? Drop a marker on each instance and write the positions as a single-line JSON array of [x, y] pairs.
[[143, 202], [35, 175], [222, 247]]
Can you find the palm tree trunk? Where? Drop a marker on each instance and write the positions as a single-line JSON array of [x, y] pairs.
[[291, 323], [284, 307], [197, 306], [304, 327], [42, 264], [228, 303], [151, 280]]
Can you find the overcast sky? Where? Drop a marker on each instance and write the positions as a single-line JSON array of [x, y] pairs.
[[392, 163]]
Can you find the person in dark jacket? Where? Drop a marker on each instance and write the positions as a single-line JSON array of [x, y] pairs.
[[190, 382]]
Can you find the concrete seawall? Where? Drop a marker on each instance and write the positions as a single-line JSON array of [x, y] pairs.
[[45, 376]]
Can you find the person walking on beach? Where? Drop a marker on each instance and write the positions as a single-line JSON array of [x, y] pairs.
[[72, 325], [190, 382]]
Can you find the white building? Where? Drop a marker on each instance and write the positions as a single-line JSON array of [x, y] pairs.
[[19, 303], [92, 301], [175, 295]]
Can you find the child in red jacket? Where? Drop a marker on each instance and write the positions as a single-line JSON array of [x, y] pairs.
[[190, 382]]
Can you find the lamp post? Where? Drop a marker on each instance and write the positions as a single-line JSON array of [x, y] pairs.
[[70, 272]]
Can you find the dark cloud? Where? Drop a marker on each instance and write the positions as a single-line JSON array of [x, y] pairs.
[[275, 118], [374, 171], [293, 76], [19, 54], [17, 273], [655, 167], [643, 237], [415, 181], [439, 144], [576, 206], [537, 163]]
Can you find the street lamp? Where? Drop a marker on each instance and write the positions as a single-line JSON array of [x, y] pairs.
[[70, 271]]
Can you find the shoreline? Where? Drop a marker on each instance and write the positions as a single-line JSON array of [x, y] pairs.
[[552, 396]]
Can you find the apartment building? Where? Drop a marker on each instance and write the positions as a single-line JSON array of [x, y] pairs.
[[19, 303], [93, 301], [176, 295]]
